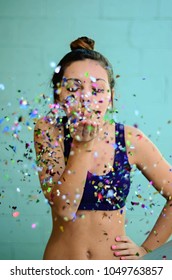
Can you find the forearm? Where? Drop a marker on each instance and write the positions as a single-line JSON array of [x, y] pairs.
[[161, 230], [66, 194]]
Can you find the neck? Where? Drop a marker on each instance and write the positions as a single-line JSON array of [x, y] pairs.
[[104, 130]]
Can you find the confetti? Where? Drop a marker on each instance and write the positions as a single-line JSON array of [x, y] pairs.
[[2, 87], [128, 143], [34, 226], [13, 148], [95, 154], [6, 129], [2, 120], [78, 138], [57, 69], [16, 214], [93, 79], [61, 228], [143, 206], [139, 136], [52, 64], [34, 113], [58, 193], [136, 112], [23, 103], [135, 203]]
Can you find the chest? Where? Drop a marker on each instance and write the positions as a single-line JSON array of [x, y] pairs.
[[103, 155], [108, 191]]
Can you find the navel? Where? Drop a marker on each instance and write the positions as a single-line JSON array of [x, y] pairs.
[[88, 254]]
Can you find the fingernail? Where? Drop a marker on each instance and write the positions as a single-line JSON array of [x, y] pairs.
[[117, 253], [118, 238], [122, 258], [114, 246]]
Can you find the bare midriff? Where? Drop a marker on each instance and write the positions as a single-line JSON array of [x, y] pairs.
[[88, 237]]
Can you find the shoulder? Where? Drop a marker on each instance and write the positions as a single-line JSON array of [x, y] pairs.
[[140, 146], [133, 133], [137, 143], [129, 131], [137, 137]]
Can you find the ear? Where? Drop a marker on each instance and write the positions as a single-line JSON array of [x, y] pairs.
[[113, 93], [112, 96]]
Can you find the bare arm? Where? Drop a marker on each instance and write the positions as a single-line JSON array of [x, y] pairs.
[[62, 185], [156, 169]]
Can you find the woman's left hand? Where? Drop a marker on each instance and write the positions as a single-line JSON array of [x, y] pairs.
[[126, 249]]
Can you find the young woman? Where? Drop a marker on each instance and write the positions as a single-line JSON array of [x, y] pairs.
[[85, 165]]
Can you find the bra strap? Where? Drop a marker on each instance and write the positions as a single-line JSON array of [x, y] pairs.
[[62, 121], [120, 134]]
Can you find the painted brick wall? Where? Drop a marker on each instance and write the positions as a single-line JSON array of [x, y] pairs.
[[136, 36]]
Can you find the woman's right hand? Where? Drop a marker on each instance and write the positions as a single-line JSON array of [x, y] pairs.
[[84, 131]]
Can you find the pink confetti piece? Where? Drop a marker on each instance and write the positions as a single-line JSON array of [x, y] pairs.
[[34, 226], [16, 214]]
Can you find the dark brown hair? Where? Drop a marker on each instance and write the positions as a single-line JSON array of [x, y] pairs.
[[81, 49]]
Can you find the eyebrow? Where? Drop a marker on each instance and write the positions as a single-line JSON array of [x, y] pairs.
[[100, 79], [80, 82]]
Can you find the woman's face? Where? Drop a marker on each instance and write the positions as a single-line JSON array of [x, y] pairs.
[[85, 91]]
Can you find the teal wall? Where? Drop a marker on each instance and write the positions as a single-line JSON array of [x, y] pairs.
[[136, 36]]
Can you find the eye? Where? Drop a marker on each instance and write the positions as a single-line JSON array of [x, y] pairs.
[[72, 86], [72, 89], [97, 90]]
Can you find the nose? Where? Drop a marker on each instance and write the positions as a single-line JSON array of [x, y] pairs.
[[85, 98], [85, 101], [85, 105]]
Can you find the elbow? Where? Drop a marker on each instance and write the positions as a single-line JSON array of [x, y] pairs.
[[65, 213], [64, 209], [67, 216]]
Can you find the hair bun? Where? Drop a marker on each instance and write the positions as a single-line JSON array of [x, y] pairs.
[[82, 43]]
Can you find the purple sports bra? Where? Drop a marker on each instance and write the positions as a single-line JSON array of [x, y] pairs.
[[109, 191]]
